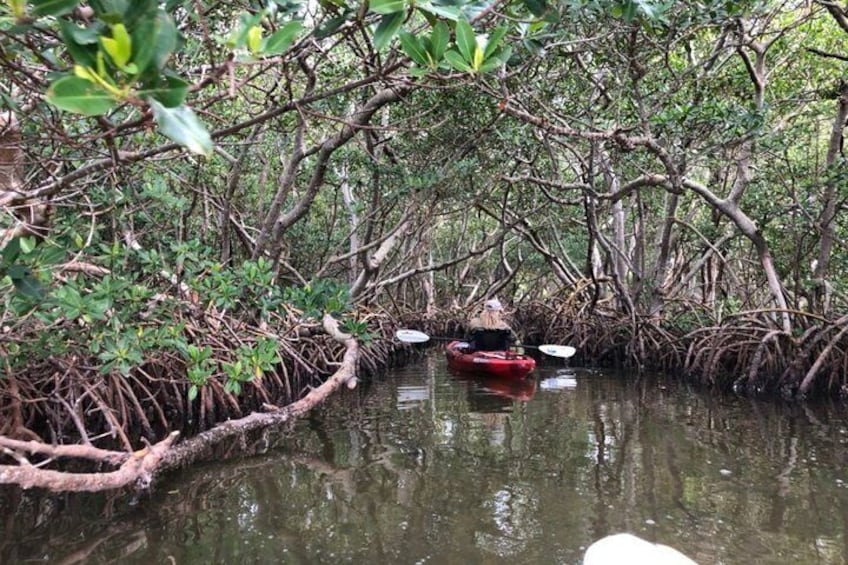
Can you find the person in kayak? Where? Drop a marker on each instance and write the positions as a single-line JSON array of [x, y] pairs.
[[488, 331]]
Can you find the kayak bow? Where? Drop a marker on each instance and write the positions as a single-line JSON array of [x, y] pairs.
[[504, 364]]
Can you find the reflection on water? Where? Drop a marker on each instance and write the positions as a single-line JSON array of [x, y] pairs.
[[428, 467], [562, 379]]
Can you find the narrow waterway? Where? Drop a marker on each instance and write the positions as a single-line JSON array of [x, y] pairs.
[[422, 466]]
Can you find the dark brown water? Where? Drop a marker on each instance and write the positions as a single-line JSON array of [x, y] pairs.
[[424, 467]]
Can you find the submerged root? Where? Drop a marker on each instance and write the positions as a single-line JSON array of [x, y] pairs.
[[65, 403], [747, 353]]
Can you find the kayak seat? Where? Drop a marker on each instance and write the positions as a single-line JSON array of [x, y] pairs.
[[490, 340]]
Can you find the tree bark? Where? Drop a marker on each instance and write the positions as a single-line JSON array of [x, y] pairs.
[[275, 224], [821, 271]]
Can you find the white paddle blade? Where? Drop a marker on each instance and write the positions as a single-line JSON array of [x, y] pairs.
[[412, 336], [564, 351]]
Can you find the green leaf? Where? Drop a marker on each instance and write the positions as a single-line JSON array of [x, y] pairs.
[[646, 8], [51, 255], [497, 60], [536, 7], [139, 10], [329, 27], [77, 95], [192, 392], [81, 42], [457, 62], [81, 35], [166, 40], [281, 39], [181, 125], [447, 12], [477, 62], [153, 40], [238, 36], [26, 284], [254, 39], [494, 41], [110, 8], [439, 41], [171, 90], [52, 7], [85, 73], [386, 7], [11, 252], [27, 244], [18, 8], [389, 25], [413, 48], [466, 41], [18, 271], [119, 46]]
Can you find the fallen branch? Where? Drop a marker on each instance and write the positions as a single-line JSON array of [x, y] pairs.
[[138, 468]]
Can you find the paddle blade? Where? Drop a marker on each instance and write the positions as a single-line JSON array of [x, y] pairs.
[[564, 351], [412, 336]]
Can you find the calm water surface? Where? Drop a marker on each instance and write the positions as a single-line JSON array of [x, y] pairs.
[[422, 466]]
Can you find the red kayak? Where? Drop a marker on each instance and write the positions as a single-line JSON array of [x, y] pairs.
[[504, 364]]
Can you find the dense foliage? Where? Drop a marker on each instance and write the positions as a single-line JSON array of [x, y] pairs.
[[676, 164]]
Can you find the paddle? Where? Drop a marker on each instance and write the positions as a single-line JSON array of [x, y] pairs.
[[414, 336]]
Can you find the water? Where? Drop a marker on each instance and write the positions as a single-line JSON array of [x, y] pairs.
[[424, 467]]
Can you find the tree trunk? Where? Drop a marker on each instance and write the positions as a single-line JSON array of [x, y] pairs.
[[833, 160]]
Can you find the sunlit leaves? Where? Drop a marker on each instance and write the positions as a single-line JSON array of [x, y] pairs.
[[395, 12], [494, 42], [238, 35], [121, 57], [477, 53], [119, 47], [18, 8], [472, 53], [249, 33], [458, 62], [254, 39]]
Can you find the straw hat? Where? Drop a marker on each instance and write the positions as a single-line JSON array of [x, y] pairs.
[[493, 305]]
